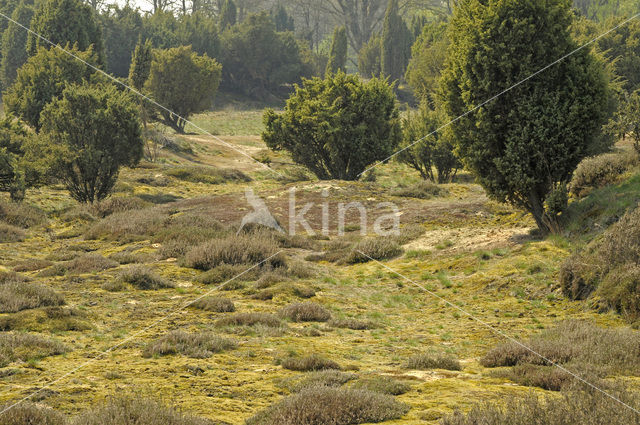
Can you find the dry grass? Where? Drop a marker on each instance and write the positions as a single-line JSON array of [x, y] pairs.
[[305, 312], [426, 361], [331, 406], [200, 345], [17, 294], [249, 249], [310, 363], [23, 347], [136, 410], [215, 304], [143, 277]]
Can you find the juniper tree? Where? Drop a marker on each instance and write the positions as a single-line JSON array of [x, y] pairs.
[[338, 54]]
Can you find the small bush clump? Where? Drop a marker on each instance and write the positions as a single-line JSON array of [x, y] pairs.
[[323, 378], [421, 190], [136, 411], [208, 175], [199, 345], [305, 312], [224, 273], [129, 226], [9, 233], [249, 319], [331, 406], [21, 214], [584, 407], [117, 204], [351, 323], [599, 171], [31, 264], [23, 347], [249, 249], [427, 361], [215, 304], [27, 413], [144, 278], [17, 294], [382, 384], [310, 363], [89, 263], [380, 248]]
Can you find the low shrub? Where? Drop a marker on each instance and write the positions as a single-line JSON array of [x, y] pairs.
[[31, 264], [619, 245], [117, 204], [85, 263], [144, 278], [200, 345], [225, 272], [380, 248], [184, 231], [426, 361], [421, 190], [351, 323], [9, 233], [574, 345], [620, 290], [17, 294], [599, 171], [208, 175], [331, 406], [305, 312], [585, 407], [249, 319], [270, 278], [301, 269], [27, 413], [381, 384], [249, 249], [21, 214], [304, 291], [23, 347], [323, 378], [129, 226], [549, 378], [215, 304], [310, 363], [48, 319], [128, 257], [136, 410]]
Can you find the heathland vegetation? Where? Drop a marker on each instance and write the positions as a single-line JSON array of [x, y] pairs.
[[501, 137]]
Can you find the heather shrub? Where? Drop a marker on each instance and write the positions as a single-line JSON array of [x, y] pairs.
[[215, 304], [129, 226], [225, 272], [421, 190], [48, 319], [249, 249], [549, 378], [182, 232], [351, 323], [144, 278], [249, 319], [331, 406], [305, 312], [136, 411], [128, 257], [23, 347], [16, 294], [578, 407], [208, 175], [599, 171], [426, 361], [380, 248], [27, 413], [323, 378], [381, 384], [199, 345], [9, 233], [620, 290], [21, 214], [304, 291], [619, 245], [310, 363], [31, 264], [85, 263], [116, 204], [576, 345]]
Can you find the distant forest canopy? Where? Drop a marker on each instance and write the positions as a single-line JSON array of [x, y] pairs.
[[264, 46]]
